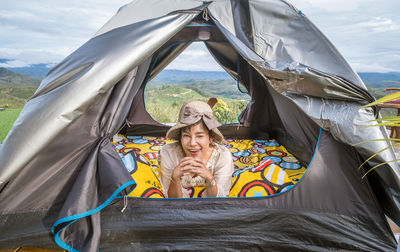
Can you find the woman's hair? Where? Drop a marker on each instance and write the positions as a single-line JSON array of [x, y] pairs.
[[187, 128]]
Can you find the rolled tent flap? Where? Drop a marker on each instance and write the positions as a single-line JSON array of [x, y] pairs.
[[100, 179]]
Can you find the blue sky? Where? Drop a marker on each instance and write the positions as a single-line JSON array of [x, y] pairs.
[[366, 32]]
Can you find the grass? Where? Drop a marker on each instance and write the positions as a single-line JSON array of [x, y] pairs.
[[208, 88], [164, 102], [389, 121], [7, 118], [378, 93], [14, 96]]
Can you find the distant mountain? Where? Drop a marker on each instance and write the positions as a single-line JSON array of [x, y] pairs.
[[371, 79], [9, 78], [38, 71], [381, 80]]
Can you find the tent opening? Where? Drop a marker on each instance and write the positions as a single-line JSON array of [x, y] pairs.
[[164, 94], [268, 159]]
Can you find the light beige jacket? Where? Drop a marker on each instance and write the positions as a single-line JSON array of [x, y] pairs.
[[220, 164]]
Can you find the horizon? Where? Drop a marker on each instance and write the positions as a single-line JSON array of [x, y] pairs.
[[168, 69], [171, 69]]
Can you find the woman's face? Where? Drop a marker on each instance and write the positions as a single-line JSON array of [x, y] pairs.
[[195, 141]]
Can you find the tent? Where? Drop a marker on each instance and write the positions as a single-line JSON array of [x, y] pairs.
[[62, 182]]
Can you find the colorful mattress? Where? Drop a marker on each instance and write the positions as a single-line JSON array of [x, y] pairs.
[[262, 167]]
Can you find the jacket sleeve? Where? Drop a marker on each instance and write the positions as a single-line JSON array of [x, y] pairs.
[[223, 172], [167, 166]]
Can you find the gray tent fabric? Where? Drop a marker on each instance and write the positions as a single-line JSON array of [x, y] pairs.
[[84, 113], [85, 85], [61, 181]]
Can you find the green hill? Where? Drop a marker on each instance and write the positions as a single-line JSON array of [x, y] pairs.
[[15, 88], [163, 103], [9, 78], [224, 87], [380, 80], [15, 96]]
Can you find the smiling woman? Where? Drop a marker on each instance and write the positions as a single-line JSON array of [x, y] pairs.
[[197, 159]]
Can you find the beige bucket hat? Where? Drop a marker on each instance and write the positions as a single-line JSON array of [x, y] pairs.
[[191, 113]]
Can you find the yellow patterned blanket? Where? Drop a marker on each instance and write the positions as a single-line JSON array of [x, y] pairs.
[[262, 167]]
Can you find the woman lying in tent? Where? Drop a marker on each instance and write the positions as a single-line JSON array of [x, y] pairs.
[[197, 158]]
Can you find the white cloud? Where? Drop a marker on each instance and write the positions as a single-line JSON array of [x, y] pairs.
[[374, 67], [380, 24], [46, 31], [196, 49], [203, 59], [14, 63], [33, 56], [330, 5], [359, 29]]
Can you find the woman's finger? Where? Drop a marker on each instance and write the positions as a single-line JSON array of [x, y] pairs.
[[186, 168], [190, 168], [192, 164], [197, 162], [187, 161]]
